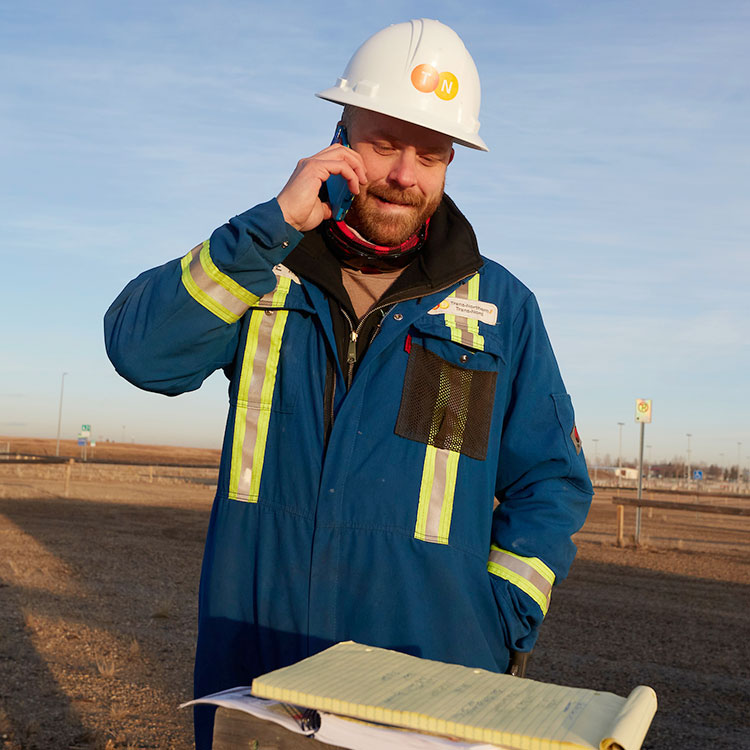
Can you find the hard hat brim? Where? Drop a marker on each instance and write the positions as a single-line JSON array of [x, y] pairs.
[[425, 120]]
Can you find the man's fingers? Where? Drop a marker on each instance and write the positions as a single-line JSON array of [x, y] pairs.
[[299, 199], [336, 152], [353, 174]]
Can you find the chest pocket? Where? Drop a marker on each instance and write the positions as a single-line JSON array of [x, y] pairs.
[[449, 388]]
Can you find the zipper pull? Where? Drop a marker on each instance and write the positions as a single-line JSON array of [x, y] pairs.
[[351, 356]]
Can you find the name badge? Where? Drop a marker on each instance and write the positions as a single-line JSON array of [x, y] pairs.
[[467, 308]]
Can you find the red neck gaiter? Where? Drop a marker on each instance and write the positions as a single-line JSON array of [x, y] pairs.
[[369, 257]]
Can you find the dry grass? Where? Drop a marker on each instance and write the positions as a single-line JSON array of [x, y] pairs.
[[98, 604], [118, 711], [116, 451], [105, 665], [134, 649], [96, 640], [163, 610]]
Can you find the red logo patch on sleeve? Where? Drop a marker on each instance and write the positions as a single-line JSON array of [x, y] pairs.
[[576, 438]]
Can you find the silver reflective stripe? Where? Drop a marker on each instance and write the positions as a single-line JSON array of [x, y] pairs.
[[461, 323], [436, 494], [212, 288], [253, 399], [215, 290], [466, 330], [530, 574], [283, 277], [260, 362]]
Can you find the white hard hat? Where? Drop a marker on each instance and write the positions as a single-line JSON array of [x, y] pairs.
[[418, 71]]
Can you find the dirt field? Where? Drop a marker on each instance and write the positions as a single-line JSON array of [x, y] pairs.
[[98, 603]]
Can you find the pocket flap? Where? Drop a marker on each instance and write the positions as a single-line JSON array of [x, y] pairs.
[[460, 337]]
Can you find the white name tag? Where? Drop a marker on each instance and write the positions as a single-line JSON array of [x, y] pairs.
[[281, 270], [467, 308]]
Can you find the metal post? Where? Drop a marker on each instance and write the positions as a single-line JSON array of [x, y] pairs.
[[620, 525], [689, 475], [595, 441], [640, 489], [619, 459], [739, 447], [59, 414], [68, 469]]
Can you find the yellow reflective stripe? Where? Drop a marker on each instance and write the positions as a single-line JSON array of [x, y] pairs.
[[529, 574], [450, 322], [283, 285], [446, 512], [202, 297], [217, 292], [466, 330], [255, 396], [235, 289], [457, 334], [444, 392], [436, 493], [472, 324], [425, 492], [240, 417], [472, 286], [266, 398], [276, 298]]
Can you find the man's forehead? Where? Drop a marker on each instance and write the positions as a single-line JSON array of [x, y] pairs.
[[374, 124]]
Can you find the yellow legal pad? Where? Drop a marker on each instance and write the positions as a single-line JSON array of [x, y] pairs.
[[388, 687]]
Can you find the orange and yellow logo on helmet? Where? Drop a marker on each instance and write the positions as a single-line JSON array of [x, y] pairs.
[[427, 79]]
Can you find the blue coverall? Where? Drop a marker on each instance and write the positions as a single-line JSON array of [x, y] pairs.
[[361, 505]]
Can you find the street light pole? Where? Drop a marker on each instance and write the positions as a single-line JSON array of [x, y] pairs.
[[619, 459], [59, 414], [689, 435]]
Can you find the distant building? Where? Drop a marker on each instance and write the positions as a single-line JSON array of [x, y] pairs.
[[626, 473]]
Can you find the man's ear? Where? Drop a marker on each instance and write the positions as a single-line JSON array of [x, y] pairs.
[[453, 153]]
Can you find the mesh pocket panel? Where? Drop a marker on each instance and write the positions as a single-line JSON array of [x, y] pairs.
[[445, 405]]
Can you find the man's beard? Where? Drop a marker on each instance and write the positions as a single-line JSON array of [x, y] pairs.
[[390, 230]]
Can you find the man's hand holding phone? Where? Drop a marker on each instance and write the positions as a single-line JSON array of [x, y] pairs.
[[299, 199], [339, 196]]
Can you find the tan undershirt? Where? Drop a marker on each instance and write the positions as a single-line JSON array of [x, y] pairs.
[[365, 289]]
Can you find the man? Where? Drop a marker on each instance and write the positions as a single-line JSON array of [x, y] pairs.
[[387, 383]]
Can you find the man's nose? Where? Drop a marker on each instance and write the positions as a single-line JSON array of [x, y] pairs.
[[404, 169]]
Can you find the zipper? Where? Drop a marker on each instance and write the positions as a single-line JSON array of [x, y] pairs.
[[351, 354]]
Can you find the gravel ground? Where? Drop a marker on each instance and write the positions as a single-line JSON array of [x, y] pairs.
[[98, 599]]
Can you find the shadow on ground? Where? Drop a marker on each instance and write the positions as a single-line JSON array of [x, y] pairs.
[[133, 572], [613, 627]]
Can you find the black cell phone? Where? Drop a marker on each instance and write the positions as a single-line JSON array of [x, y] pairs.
[[339, 195]]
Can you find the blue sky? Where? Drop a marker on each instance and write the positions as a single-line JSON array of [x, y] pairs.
[[617, 187]]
